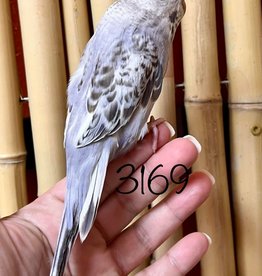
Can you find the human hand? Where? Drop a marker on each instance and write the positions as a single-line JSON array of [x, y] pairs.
[[28, 238]]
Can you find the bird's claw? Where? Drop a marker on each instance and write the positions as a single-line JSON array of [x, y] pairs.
[[152, 125]]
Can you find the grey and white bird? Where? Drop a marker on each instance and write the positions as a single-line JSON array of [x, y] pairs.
[[110, 98]]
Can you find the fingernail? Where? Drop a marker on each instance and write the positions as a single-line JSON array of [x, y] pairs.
[[194, 141], [208, 238], [171, 129], [211, 177]]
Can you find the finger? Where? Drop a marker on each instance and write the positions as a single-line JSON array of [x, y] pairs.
[[119, 209], [142, 238], [137, 156], [181, 258]]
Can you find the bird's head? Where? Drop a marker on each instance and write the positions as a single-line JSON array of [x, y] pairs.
[[168, 12], [174, 9]]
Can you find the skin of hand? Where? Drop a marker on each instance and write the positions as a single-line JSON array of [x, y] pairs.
[[28, 237]]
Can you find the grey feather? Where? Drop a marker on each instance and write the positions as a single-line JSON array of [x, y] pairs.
[[110, 97], [131, 72]]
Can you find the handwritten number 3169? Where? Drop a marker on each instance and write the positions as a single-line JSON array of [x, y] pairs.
[[153, 178]]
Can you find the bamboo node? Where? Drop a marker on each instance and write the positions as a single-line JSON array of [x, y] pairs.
[[13, 159], [256, 130]]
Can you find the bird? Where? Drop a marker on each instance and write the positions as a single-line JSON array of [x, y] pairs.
[[109, 98]]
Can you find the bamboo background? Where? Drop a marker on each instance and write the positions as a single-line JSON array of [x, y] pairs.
[[212, 90]]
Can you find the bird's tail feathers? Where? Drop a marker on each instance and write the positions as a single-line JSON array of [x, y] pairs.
[[64, 245], [82, 200], [91, 203]]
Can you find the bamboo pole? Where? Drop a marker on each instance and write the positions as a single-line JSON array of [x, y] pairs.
[[165, 108], [244, 59], [242, 21], [246, 160], [46, 81], [98, 8], [205, 121], [12, 148], [76, 29]]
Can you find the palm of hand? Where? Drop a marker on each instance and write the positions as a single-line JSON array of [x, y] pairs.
[[28, 237]]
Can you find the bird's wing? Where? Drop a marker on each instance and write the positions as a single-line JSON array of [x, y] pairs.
[[127, 75]]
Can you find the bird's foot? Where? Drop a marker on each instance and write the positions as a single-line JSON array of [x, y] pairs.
[[152, 125]]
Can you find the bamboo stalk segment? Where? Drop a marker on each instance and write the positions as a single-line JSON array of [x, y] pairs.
[[200, 51], [99, 7], [246, 160], [165, 107], [205, 122], [213, 217], [46, 81], [12, 148], [76, 29], [242, 21], [244, 59]]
